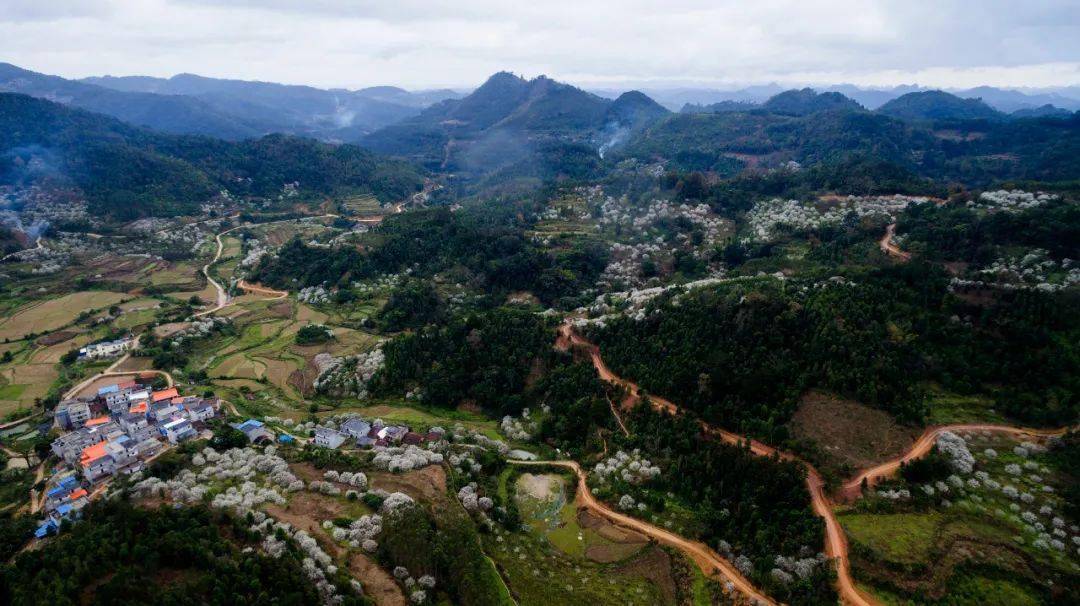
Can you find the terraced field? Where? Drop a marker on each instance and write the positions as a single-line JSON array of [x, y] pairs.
[[47, 315]]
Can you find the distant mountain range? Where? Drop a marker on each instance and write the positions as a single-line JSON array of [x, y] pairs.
[[516, 128], [228, 109], [1001, 99]]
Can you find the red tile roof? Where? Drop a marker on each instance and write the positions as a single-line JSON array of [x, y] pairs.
[[165, 394], [97, 421], [92, 453], [139, 408]]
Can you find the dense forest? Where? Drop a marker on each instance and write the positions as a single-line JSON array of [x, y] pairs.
[[741, 355], [127, 172], [958, 233], [123, 554]]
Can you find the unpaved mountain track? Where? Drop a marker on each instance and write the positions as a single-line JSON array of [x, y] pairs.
[[836, 546], [889, 247], [926, 442], [835, 542], [710, 563]]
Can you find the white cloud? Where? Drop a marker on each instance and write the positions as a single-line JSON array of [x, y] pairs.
[[442, 43]]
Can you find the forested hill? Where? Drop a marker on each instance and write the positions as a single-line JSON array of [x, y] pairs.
[[977, 152], [127, 171], [511, 120]]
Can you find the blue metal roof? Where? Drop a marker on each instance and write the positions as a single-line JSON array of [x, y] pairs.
[[286, 438], [64, 509], [108, 389], [43, 530], [249, 424]]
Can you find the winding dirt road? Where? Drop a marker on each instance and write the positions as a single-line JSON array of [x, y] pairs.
[[710, 563], [926, 442], [836, 546], [889, 247], [222, 296]]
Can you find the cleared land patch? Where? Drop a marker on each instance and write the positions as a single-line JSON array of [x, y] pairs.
[[45, 316], [851, 434]]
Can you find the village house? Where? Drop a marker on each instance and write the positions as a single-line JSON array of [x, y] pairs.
[[356, 428], [256, 431], [178, 430], [96, 462], [329, 438], [138, 395], [163, 412], [106, 349], [58, 494], [201, 411], [72, 414], [147, 448], [136, 426]]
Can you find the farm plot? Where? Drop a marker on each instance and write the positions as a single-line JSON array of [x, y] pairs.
[[563, 557], [45, 316], [23, 383]]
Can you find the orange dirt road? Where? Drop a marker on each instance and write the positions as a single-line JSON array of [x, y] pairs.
[[710, 563], [262, 290], [889, 247], [926, 441], [836, 546]]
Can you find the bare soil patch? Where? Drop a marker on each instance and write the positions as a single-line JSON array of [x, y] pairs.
[[604, 528], [655, 565], [378, 584], [307, 510], [56, 337], [538, 486], [282, 309], [849, 433], [171, 328], [427, 484]]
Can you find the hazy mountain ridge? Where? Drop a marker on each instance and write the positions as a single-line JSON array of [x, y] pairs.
[[324, 113], [227, 109], [1002, 99], [938, 105], [168, 113], [509, 119], [128, 171]]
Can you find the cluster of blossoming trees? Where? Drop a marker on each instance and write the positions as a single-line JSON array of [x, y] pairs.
[[1018, 494]]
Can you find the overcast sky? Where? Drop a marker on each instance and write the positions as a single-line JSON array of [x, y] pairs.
[[436, 43]]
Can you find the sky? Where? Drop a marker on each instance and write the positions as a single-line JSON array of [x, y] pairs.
[[602, 43]]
